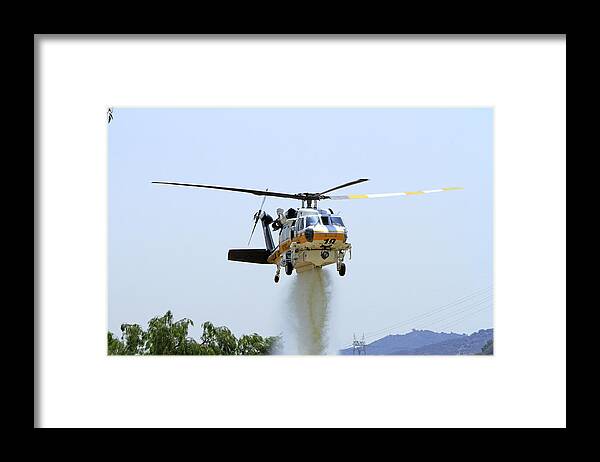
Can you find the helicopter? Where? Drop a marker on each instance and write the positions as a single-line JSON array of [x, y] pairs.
[[309, 237]]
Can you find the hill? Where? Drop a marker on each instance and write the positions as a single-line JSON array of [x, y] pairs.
[[426, 342]]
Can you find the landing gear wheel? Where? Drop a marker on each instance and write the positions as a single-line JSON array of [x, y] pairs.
[[342, 269], [276, 279], [288, 268]]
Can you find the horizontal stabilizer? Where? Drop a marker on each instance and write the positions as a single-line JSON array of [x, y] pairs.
[[249, 255]]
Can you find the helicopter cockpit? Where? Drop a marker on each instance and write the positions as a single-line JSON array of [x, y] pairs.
[[332, 220], [303, 222]]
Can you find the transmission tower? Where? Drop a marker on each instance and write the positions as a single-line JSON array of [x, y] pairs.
[[359, 346]]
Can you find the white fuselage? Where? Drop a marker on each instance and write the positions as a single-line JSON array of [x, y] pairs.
[[313, 238]]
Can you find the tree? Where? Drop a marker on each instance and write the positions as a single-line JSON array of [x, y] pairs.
[[218, 340], [165, 337], [115, 346], [132, 339], [256, 345]]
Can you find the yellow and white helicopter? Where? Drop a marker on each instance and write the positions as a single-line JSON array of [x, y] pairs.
[[309, 237]]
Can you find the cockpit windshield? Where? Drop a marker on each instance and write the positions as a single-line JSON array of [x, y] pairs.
[[336, 221], [311, 220]]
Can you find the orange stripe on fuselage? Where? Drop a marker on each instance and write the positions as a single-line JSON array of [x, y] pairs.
[[319, 236]]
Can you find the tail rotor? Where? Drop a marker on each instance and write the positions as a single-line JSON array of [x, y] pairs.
[[257, 217]]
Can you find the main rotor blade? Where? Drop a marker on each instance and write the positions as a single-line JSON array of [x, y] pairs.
[[256, 192], [346, 184], [376, 196]]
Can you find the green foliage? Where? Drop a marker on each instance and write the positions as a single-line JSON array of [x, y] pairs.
[[218, 340], [256, 345], [115, 346], [165, 337], [132, 338]]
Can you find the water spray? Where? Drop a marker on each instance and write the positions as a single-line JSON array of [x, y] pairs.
[[309, 305]]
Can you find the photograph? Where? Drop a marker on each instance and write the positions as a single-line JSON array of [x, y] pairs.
[[350, 231], [300, 231]]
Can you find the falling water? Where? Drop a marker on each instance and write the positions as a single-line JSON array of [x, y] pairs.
[[309, 305]]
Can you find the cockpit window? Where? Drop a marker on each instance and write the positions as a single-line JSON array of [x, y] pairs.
[[312, 220], [336, 221], [325, 220]]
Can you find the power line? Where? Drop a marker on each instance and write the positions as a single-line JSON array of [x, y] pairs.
[[447, 306], [477, 293], [455, 321], [458, 312], [455, 304], [464, 317]]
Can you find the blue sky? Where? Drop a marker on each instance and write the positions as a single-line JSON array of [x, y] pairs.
[[168, 245]]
